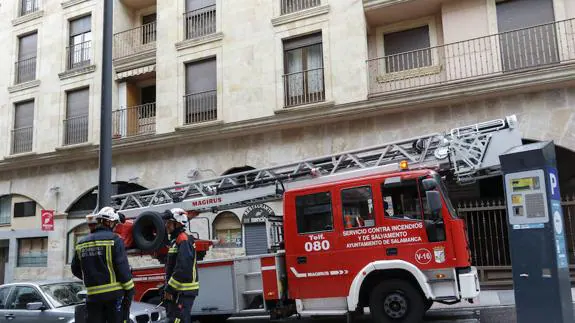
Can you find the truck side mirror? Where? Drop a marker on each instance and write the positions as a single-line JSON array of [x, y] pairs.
[[434, 201], [429, 184]]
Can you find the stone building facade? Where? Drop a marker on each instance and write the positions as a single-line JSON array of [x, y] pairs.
[[204, 87]]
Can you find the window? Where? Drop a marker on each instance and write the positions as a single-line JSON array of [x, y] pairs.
[[528, 36], [228, 230], [407, 49], [303, 70], [76, 122], [5, 209], [149, 28], [23, 295], [33, 252], [314, 213], [200, 101], [24, 209], [200, 18], [4, 291], [26, 64], [80, 43], [357, 207], [289, 6], [74, 236], [401, 200], [23, 131], [28, 6]]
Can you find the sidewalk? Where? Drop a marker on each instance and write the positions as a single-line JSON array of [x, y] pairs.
[[488, 298]]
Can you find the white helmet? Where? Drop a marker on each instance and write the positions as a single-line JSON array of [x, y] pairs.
[[108, 213], [177, 215]]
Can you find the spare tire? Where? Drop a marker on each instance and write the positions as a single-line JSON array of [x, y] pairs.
[[149, 231]]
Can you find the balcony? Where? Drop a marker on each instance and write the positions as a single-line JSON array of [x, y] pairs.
[[537, 48], [76, 130], [291, 6], [22, 140], [199, 23], [79, 55], [136, 42], [305, 87], [25, 70], [134, 121], [200, 107]]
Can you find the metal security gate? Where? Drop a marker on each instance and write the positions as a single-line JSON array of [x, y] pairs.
[[256, 239], [487, 230]]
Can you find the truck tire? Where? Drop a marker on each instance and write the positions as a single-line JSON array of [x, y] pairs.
[[149, 231], [396, 301]]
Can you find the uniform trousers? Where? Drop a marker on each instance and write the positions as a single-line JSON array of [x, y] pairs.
[[180, 311], [104, 311]]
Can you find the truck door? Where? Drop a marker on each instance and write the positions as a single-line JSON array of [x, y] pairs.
[[411, 232], [310, 244]]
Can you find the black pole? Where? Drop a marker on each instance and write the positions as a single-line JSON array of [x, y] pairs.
[[105, 179]]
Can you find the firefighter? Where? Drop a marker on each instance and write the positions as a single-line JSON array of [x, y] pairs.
[[182, 286], [101, 262]]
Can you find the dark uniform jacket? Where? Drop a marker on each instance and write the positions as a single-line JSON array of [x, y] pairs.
[[101, 262], [181, 271]]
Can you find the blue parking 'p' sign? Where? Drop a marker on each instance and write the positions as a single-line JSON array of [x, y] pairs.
[[554, 184]]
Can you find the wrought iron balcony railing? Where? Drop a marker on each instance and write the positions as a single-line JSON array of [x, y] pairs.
[[290, 6], [200, 107], [537, 47], [135, 40], [200, 22], [76, 130], [304, 87], [133, 121], [25, 70], [22, 140]]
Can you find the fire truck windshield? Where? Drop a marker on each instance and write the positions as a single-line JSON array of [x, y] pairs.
[[444, 192]]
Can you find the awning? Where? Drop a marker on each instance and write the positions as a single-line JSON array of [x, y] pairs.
[[136, 72]]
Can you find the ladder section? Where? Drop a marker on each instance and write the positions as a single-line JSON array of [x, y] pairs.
[[465, 151]]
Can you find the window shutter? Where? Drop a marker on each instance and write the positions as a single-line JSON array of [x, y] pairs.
[[192, 5], [201, 76], [24, 115], [80, 25], [28, 46], [302, 41], [77, 103]]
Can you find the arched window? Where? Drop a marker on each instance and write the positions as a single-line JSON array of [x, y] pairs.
[[228, 230], [86, 203]]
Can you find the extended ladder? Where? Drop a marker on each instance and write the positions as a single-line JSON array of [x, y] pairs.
[[468, 152]]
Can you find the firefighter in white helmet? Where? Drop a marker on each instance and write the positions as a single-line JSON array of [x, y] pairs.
[[101, 262], [182, 286]]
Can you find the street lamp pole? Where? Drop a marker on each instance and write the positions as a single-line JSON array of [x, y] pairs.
[[105, 166]]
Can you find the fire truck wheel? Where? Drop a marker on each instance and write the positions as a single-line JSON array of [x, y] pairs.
[[149, 231], [396, 301]]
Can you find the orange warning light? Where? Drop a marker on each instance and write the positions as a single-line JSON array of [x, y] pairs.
[[403, 165]]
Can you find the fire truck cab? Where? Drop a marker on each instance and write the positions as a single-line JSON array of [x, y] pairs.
[[391, 242]]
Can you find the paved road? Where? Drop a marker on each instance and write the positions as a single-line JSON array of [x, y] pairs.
[[490, 315]]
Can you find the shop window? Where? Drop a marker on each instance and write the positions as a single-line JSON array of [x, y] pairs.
[[357, 207], [228, 230], [33, 252]]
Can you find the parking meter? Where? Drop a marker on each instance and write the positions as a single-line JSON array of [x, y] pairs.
[[536, 234]]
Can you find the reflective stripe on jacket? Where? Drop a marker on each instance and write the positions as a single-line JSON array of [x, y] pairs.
[[100, 260], [181, 269]]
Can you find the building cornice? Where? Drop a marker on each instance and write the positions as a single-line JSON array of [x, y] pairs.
[[300, 15], [375, 4], [375, 105]]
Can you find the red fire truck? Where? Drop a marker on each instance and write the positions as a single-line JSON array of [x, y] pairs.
[[366, 229]]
